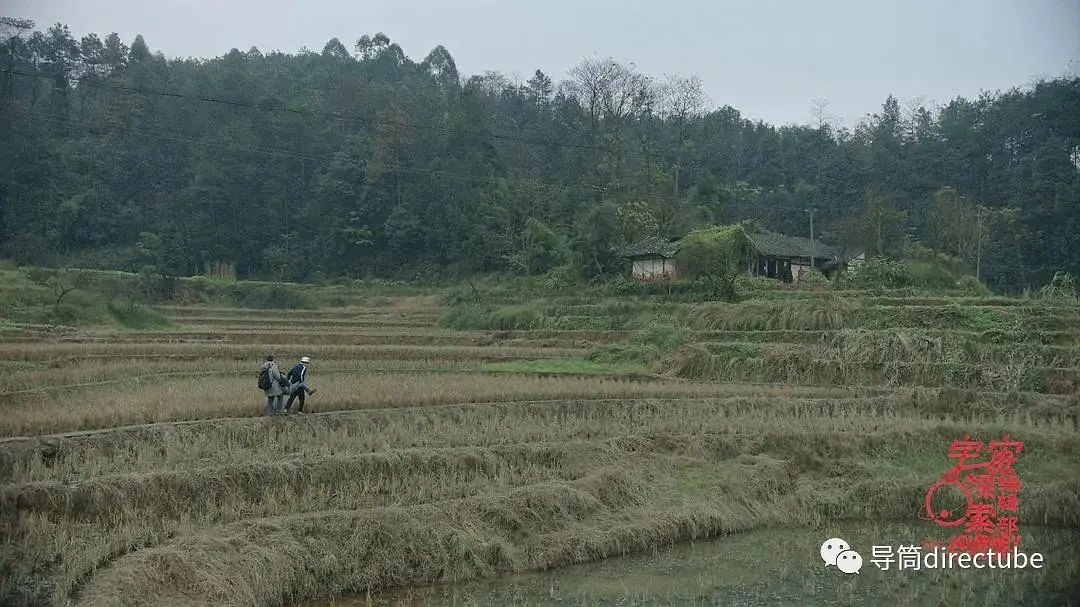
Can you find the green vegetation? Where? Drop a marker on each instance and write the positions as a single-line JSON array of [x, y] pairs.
[[716, 256], [33, 297], [369, 163], [497, 395], [563, 366]]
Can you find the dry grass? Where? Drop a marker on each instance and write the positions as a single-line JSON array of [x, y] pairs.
[[360, 336], [175, 489], [803, 336], [30, 382], [419, 337], [769, 363], [398, 304], [634, 497], [148, 448], [816, 314], [64, 353], [33, 377], [217, 397]]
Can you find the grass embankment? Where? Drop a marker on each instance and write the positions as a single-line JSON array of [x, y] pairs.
[[39, 302], [411, 495], [844, 342], [172, 487]]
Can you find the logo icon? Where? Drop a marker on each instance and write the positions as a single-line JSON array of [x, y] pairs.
[[835, 551], [849, 561], [980, 497]]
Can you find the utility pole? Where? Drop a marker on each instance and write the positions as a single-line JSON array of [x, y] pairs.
[[812, 248], [978, 240]]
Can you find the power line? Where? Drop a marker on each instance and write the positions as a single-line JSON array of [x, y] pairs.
[[332, 115], [584, 190], [614, 196]]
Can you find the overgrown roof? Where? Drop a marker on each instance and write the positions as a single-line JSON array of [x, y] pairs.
[[764, 242], [650, 247], [779, 245]]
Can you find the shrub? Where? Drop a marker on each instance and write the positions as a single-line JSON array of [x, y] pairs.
[[559, 278], [813, 281], [136, 316], [477, 317], [931, 274], [647, 346], [971, 285], [248, 295], [1061, 286], [882, 273]]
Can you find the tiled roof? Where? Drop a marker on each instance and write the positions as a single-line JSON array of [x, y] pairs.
[[771, 243], [766, 243], [649, 247]]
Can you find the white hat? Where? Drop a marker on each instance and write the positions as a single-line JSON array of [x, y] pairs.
[[305, 360]]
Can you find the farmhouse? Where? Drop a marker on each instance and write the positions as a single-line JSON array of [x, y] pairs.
[[790, 258], [775, 256], [652, 258]]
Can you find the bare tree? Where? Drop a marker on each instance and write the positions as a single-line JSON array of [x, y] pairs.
[[683, 97], [683, 100], [589, 83], [914, 115], [611, 94], [61, 282], [14, 27], [608, 90], [819, 110]]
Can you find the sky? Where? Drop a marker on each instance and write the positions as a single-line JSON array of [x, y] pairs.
[[770, 59]]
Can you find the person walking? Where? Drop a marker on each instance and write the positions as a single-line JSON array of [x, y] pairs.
[[298, 386], [274, 392]]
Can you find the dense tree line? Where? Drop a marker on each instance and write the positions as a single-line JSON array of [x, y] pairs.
[[362, 161]]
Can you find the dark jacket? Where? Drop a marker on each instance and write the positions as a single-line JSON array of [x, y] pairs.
[[298, 373]]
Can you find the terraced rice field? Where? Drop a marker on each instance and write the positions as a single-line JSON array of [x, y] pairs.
[[139, 468]]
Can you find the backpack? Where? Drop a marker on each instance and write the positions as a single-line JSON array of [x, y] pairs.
[[264, 379]]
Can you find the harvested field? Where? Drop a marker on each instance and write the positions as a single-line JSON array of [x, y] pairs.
[[139, 467]]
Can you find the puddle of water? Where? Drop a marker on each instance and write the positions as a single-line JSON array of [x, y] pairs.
[[768, 567]]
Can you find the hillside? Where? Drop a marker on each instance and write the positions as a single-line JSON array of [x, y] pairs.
[[359, 161]]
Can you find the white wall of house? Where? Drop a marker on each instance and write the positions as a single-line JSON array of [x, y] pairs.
[[799, 271], [653, 267]]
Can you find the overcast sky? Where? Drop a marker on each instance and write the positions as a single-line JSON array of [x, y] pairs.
[[768, 58]]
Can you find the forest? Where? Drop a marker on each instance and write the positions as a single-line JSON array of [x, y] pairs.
[[358, 161]]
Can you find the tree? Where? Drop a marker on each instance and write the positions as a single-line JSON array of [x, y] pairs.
[[537, 249], [717, 256], [442, 68], [393, 167], [611, 93], [957, 226], [139, 51], [819, 109], [11, 32], [877, 228], [334, 48], [539, 89], [636, 220], [683, 100], [61, 282]]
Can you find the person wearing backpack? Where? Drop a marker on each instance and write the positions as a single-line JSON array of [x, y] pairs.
[[297, 380], [270, 381]]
